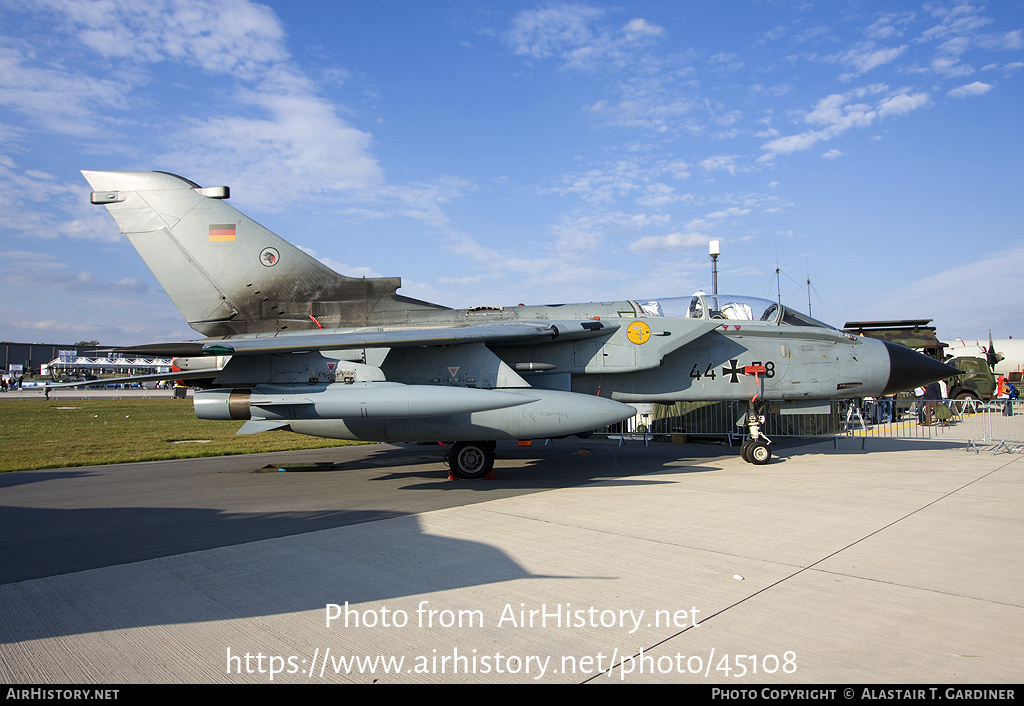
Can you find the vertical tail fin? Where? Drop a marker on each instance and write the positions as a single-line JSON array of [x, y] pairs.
[[226, 273]]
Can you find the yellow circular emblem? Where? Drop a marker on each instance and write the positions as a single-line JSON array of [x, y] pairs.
[[638, 332]]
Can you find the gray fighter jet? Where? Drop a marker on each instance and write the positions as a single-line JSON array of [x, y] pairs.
[[291, 344]]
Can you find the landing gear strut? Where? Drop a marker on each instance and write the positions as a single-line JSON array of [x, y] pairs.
[[470, 460], [756, 449]]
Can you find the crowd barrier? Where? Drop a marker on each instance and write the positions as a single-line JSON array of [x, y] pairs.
[[999, 422], [82, 393], [975, 422]]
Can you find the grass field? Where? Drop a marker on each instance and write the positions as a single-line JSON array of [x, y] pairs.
[[54, 434]]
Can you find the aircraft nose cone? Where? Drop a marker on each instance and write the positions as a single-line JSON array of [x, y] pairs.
[[909, 369]]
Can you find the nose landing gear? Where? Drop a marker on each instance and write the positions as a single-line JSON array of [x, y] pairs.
[[756, 449]]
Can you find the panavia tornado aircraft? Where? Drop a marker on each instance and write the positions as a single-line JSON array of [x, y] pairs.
[[291, 344]]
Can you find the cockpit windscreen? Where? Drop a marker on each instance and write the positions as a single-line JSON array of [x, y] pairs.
[[726, 307]]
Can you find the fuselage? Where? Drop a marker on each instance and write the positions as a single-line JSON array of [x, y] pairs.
[[665, 350]]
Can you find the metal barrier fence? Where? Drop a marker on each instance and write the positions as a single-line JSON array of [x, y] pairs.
[[76, 393], [999, 422], [975, 422]]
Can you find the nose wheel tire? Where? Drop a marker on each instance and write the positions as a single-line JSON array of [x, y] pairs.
[[470, 460], [756, 451], [759, 453]]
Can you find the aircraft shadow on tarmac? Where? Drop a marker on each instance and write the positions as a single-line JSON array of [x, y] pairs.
[[229, 565], [14, 479], [285, 575], [539, 467], [280, 562], [46, 541], [364, 564]]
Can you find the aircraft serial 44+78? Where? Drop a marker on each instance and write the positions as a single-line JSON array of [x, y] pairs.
[[291, 344]]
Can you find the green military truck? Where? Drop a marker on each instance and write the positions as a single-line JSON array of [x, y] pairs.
[[977, 382]]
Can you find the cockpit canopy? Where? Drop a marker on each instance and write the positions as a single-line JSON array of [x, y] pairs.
[[727, 307]]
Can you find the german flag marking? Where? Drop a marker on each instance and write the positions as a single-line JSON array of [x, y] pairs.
[[222, 232]]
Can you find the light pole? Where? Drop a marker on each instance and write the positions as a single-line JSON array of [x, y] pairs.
[[715, 249]]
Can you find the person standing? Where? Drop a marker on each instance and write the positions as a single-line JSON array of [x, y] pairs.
[[932, 395]]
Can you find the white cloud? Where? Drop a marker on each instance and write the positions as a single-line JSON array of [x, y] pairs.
[[697, 233], [841, 112], [866, 56], [269, 124], [58, 100], [889, 25], [720, 163], [838, 114], [552, 31], [658, 195], [730, 212], [670, 241], [950, 66], [603, 185], [725, 63], [265, 119], [902, 104], [650, 111], [1009, 40], [678, 169], [638, 28], [971, 89], [571, 32], [56, 298], [792, 143], [60, 277], [958, 31], [235, 37], [40, 207], [284, 139]]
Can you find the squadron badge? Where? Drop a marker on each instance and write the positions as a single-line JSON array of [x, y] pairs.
[[269, 257], [638, 332]]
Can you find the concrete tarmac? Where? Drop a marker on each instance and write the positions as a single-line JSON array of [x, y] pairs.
[[583, 561]]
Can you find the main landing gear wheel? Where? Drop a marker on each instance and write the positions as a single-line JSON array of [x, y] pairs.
[[470, 460]]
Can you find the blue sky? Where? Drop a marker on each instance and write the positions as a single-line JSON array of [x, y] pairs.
[[498, 153]]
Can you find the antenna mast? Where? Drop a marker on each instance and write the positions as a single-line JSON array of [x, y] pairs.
[[806, 262]]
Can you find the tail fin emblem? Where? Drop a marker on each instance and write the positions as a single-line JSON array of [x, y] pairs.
[[269, 257]]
